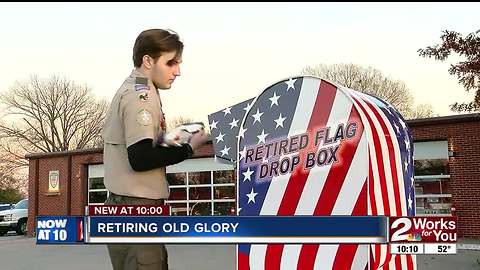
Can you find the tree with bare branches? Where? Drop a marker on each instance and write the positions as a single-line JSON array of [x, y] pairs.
[[49, 115], [46, 115], [467, 70], [13, 182], [373, 82], [12, 187]]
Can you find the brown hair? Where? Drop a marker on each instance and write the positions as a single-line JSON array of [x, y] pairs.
[[154, 42]]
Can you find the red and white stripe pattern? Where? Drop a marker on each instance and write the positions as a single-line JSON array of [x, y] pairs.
[[367, 180], [386, 194]]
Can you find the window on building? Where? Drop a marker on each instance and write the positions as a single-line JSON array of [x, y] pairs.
[[202, 187], [97, 192], [197, 187], [432, 178], [203, 193]]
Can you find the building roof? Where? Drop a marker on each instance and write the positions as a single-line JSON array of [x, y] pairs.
[[444, 120], [65, 153]]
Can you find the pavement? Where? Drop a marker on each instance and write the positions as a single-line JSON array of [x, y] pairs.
[[21, 253]]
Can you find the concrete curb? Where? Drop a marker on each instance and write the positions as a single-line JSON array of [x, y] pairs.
[[468, 247]]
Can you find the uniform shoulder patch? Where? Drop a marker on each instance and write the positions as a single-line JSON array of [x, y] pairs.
[[141, 80], [141, 83], [143, 97], [140, 87], [144, 117]]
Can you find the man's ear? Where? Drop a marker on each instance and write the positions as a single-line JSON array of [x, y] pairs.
[[147, 61]]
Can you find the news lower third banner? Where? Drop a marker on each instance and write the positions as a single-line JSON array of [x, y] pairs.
[[60, 229], [213, 229]]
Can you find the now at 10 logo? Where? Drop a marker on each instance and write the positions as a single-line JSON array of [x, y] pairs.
[[423, 229]]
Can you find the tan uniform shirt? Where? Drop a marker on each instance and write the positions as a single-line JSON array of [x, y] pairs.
[[134, 114]]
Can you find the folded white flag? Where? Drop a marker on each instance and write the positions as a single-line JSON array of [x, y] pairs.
[[181, 134]]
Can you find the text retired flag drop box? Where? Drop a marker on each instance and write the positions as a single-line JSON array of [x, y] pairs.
[[307, 146]]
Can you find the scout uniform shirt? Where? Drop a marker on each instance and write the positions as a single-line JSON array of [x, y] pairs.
[[134, 114]]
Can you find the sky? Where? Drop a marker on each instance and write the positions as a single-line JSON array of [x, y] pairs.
[[233, 51]]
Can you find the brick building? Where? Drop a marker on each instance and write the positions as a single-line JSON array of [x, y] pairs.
[[459, 174], [447, 177]]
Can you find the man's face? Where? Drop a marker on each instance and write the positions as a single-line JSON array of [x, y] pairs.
[[165, 70]]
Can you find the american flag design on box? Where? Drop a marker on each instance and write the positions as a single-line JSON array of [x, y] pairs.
[[306, 146]]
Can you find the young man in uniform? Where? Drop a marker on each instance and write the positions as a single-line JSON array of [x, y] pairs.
[[134, 160]]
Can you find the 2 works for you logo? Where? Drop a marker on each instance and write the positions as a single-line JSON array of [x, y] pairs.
[[423, 229]]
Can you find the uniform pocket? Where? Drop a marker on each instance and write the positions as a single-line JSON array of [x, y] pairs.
[[150, 255]]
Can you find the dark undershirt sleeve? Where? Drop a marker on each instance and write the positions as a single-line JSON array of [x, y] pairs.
[[144, 156]]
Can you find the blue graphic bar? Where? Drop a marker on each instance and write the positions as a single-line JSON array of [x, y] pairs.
[[238, 229], [60, 229]]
